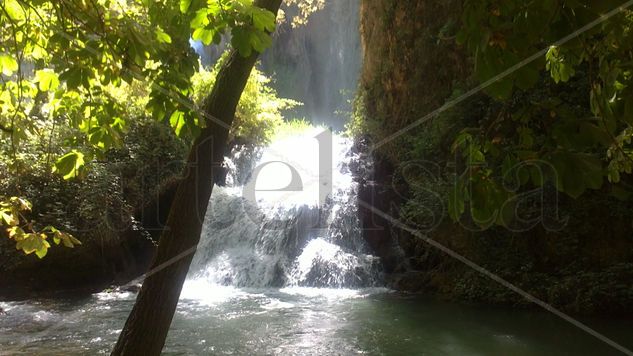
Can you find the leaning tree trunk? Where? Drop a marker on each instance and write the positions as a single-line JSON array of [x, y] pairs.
[[146, 328]]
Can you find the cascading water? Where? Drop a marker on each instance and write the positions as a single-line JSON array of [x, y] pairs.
[[294, 223]]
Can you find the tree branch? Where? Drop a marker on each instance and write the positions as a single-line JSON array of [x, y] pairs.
[[6, 129]]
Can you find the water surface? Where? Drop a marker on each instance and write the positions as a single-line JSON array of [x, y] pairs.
[[303, 321]]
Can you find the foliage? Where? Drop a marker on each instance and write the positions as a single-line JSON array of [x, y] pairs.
[[66, 55], [292, 128], [69, 69], [303, 8], [22, 231], [564, 118], [259, 111]]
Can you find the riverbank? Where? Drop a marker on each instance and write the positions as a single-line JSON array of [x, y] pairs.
[[576, 263]]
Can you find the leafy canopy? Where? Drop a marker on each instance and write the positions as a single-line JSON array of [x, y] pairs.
[[65, 62], [564, 119]]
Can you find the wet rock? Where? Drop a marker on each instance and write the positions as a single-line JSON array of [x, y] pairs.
[[132, 288], [376, 194]]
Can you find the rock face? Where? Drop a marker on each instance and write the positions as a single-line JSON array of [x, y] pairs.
[[410, 69], [373, 193], [407, 72]]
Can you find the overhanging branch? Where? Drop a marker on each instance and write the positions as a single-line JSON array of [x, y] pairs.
[[6, 129]]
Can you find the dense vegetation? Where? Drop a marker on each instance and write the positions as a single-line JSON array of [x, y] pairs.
[[96, 131], [558, 78], [514, 120]]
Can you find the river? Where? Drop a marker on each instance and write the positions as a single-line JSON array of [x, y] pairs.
[[303, 321]]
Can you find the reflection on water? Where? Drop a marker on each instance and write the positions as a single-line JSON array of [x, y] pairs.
[[303, 321]]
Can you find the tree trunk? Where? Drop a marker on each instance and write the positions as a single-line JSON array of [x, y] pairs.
[[147, 326]]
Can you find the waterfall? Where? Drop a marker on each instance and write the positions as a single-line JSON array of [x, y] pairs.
[[317, 64], [261, 235]]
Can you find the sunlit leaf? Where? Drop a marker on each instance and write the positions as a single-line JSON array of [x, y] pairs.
[[70, 164], [14, 10], [47, 79], [33, 242], [184, 6], [162, 37], [177, 121], [8, 65]]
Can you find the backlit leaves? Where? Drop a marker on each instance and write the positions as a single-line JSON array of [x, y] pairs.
[[560, 66], [70, 69], [184, 6], [14, 10], [162, 37], [83, 53], [30, 242], [27, 239], [250, 26], [8, 65], [47, 80], [70, 164]]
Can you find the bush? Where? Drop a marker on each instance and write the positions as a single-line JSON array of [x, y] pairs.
[[259, 112]]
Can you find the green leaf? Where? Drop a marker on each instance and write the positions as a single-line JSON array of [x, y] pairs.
[[70, 164], [100, 137], [162, 37], [47, 79], [8, 65], [241, 41], [200, 20], [33, 242], [456, 204], [489, 66], [260, 41], [536, 175], [263, 20], [9, 218], [177, 121], [66, 239], [76, 77], [16, 233], [526, 77], [559, 64], [184, 6], [576, 172], [507, 212], [21, 204], [14, 10], [204, 35]]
